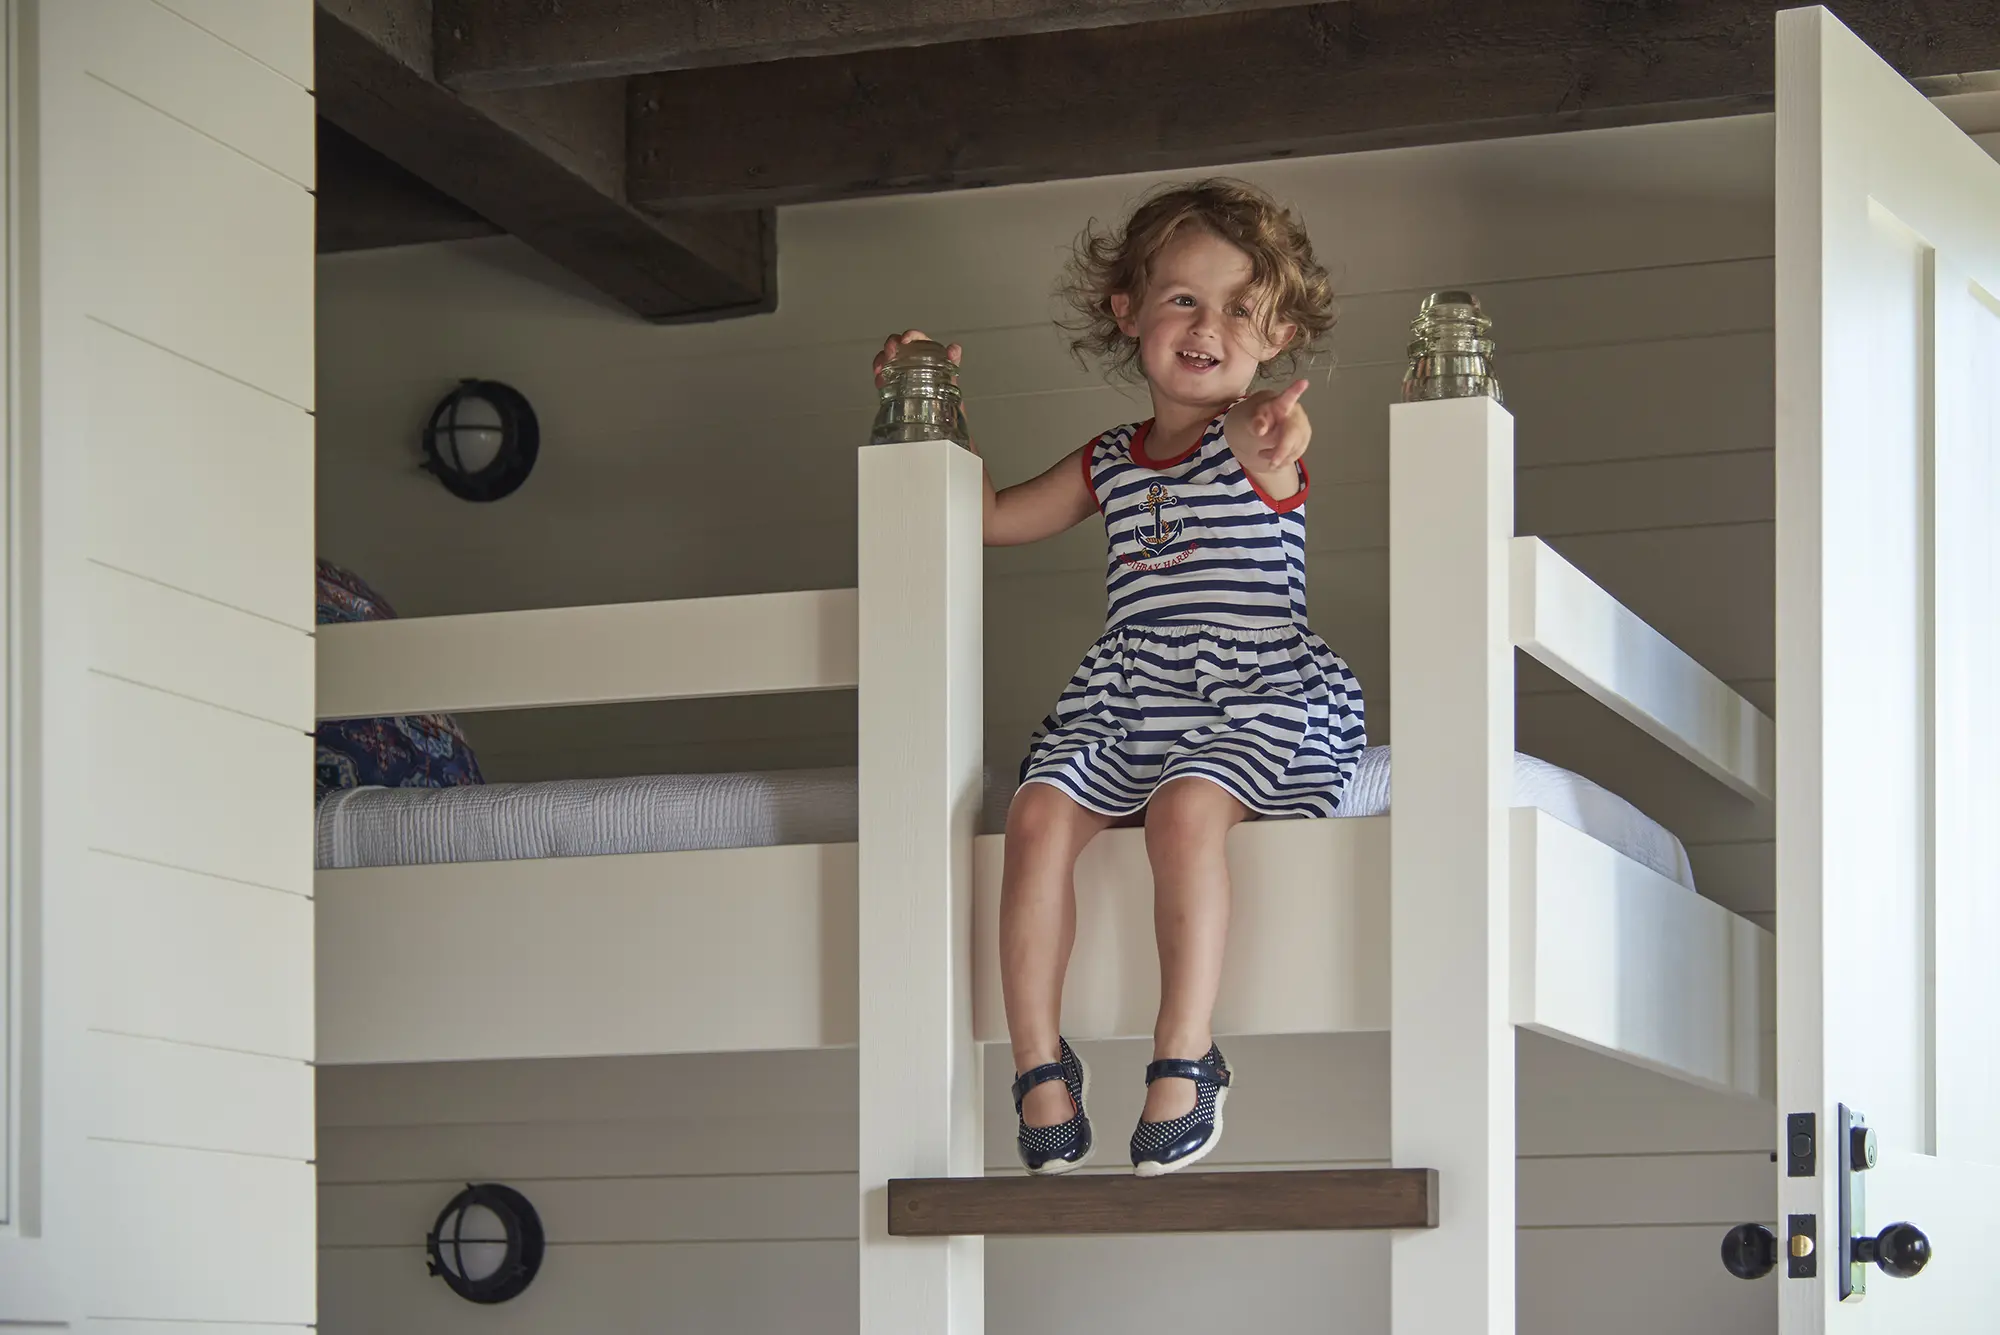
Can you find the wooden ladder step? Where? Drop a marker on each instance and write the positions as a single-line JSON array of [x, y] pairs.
[[1334, 1198]]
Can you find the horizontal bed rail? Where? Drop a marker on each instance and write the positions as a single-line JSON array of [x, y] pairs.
[[1589, 638], [752, 644]]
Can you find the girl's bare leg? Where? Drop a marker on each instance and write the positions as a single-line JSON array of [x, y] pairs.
[[1185, 825], [1046, 830]]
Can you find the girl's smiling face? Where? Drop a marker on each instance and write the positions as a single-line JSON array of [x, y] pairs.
[[1200, 341]]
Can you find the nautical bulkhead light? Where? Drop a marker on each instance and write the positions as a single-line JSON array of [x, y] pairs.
[[487, 1243], [481, 440]]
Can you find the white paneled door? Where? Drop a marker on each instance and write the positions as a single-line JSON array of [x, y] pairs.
[[1888, 347]]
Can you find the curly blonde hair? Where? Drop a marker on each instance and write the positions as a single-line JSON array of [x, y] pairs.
[[1287, 285]]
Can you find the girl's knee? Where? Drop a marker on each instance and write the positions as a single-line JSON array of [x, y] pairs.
[[1041, 815], [1188, 813]]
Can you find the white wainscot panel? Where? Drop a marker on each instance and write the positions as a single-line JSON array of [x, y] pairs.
[[167, 62], [199, 481], [237, 295], [280, 35], [176, 954], [199, 788], [201, 1236], [149, 633], [153, 1092]]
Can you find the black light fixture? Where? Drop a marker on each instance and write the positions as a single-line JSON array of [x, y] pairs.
[[481, 440], [487, 1244]]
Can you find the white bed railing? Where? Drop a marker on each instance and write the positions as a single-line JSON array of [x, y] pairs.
[[752, 644], [1592, 641]]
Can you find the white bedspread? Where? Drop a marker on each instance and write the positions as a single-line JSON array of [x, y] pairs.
[[670, 813]]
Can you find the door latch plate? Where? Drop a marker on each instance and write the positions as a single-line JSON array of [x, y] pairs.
[[1802, 1246]]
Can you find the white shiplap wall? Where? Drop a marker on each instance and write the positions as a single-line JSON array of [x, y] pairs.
[[715, 1195], [1629, 276], [173, 261]]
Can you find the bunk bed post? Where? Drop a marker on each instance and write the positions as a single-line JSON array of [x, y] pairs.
[[1451, 678], [921, 720]]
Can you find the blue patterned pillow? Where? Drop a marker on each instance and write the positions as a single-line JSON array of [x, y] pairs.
[[422, 751]]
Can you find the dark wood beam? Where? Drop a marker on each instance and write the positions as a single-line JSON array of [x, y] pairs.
[[487, 44], [366, 202], [1245, 87], [547, 165], [1339, 1198]]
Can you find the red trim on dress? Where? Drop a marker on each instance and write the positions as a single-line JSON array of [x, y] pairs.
[[1139, 448], [1291, 502]]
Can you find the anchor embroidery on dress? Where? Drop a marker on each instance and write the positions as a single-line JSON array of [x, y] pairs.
[[1165, 531]]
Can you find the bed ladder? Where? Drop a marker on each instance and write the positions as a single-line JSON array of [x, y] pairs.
[[925, 1205]]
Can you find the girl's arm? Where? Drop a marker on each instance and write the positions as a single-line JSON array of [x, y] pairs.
[[1268, 433], [1038, 508]]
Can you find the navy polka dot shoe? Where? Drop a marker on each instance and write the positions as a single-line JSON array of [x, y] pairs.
[[1168, 1147], [1048, 1150]]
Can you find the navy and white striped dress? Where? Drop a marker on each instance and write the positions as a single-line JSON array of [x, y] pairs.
[[1206, 666]]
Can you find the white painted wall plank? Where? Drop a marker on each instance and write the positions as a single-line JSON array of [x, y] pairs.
[[150, 1091], [207, 497], [102, 1327], [638, 1143], [804, 1287], [710, 1084], [763, 1207], [230, 224], [279, 35], [155, 635], [1637, 1281], [182, 955], [197, 78], [240, 805]]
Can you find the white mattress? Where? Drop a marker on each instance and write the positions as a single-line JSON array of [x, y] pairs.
[[671, 813]]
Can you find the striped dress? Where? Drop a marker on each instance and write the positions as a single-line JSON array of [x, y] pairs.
[[1206, 666]]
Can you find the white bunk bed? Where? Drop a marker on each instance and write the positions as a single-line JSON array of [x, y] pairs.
[[730, 949], [1450, 923]]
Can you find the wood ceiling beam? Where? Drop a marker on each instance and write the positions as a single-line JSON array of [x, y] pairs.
[[488, 44], [367, 202], [1240, 88], [547, 165]]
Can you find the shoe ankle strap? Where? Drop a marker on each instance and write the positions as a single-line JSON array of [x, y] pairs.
[[1180, 1068], [1038, 1075]]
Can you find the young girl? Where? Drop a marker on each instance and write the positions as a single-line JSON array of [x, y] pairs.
[[1207, 701]]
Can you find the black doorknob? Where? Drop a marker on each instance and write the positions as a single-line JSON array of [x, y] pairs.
[[1749, 1251], [1900, 1249]]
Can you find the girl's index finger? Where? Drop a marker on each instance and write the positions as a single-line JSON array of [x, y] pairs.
[[1283, 403]]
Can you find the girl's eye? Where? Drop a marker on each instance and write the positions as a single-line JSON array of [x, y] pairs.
[[1183, 300]]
